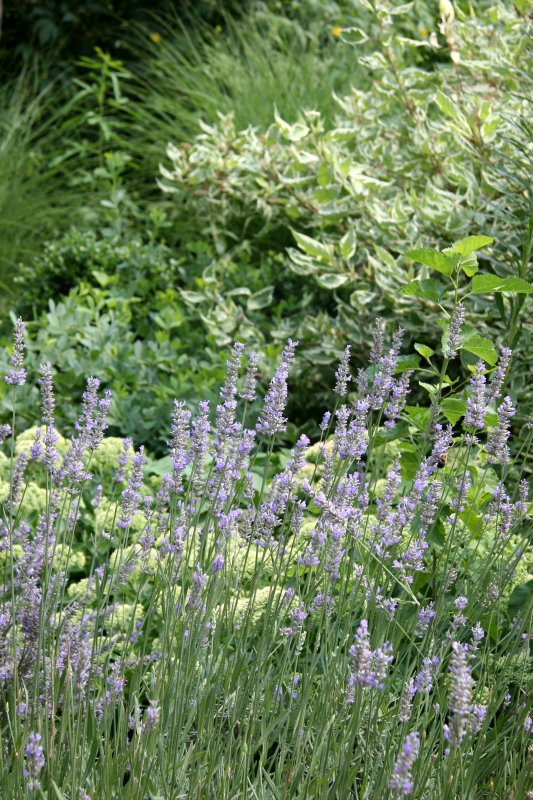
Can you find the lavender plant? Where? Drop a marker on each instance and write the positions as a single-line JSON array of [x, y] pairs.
[[353, 624]]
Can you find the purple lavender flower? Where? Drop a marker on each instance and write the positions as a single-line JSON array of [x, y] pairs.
[[478, 634], [47, 394], [297, 618], [476, 403], [399, 392], [199, 445], [99, 424], [115, 684], [377, 341], [477, 716], [369, 667], [342, 374], [425, 615], [271, 419], [497, 446], [455, 339], [37, 447], [97, 499], [401, 782], [498, 376], [152, 716], [424, 679], [34, 761], [460, 696], [361, 654], [324, 425], [123, 461], [406, 701], [218, 562], [51, 453], [17, 375], [131, 496], [5, 433], [179, 443], [288, 597], [249, 392], [351, 440], [17, 479], [199, 579], [383, 380]]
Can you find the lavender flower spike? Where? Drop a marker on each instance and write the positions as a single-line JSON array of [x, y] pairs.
[[497, 446], [34, 761], [460, 696], [342, 375], [498, 376], [17, 375], [47, 394], [131, 496], [271, 419], [369, 666], [377, 341], [401, 783], [5, 432], [455, 339], [476, 404], [249, 394]]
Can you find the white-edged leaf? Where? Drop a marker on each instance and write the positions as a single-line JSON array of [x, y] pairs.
[[348, 244], [314, 248], [260, 299]]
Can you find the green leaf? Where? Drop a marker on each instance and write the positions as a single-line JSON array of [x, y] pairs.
[[485, 283], [314, 248], [517, 285], [492, 283], [433, 259], [331, 280], [481, 347], [427, 289], [469, 265], [406, 363], [430, 389], [347, 245], [471, 244], [260, 299], [520, 597], [418, 416], [453, 409], [425, 352]]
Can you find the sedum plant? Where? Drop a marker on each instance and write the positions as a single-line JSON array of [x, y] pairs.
[[349, 618]]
